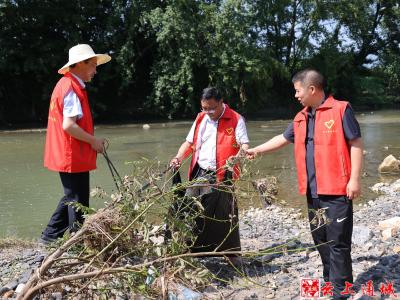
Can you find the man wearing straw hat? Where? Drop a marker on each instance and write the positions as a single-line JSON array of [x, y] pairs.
[[71, 147]]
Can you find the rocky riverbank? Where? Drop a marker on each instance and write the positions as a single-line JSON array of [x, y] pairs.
[[282, 235], [375, 250]]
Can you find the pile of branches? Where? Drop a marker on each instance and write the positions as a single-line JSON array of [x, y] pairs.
[[136, 244]]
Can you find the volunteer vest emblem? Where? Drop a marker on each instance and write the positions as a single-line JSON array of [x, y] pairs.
[[52, 104], [329, 124], [229, 130]]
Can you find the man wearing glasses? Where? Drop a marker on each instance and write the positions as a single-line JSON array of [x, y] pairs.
[[217, 134]]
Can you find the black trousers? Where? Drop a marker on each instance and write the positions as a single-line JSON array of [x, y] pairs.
[[217, 229], [76, 189], [336, 254]]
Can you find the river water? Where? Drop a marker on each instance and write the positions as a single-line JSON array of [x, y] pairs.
[[29, 193]]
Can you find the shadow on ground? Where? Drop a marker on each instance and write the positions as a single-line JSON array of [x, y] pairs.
[[257, 266], [385, 271]]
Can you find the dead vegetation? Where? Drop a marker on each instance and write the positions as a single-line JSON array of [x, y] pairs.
[[136, 244]]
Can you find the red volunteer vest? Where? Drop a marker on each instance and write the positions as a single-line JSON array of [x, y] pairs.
[[331, 151], [63, 153], [226, 142]]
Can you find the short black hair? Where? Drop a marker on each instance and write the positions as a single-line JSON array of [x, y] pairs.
[[211, 92], [310, 77]]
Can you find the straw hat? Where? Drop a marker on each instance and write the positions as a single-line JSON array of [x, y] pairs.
[[82, 52]]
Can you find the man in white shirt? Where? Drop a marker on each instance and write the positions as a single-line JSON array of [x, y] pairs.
[[217, 134], [203, 141]]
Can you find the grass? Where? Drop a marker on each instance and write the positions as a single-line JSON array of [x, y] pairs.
[[10, 242]]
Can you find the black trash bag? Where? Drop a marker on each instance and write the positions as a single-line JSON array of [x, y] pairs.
[[217, 227], [182, 208]]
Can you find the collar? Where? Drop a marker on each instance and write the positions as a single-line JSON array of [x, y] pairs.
[[79, 80], [228, 112], [312, 111], [326, 103]]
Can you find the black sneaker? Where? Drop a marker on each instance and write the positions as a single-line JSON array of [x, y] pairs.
[[46, 241]]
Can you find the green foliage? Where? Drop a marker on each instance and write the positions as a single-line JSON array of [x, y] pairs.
[[372, 91], [178, 30], [391, 73], [165, 52]]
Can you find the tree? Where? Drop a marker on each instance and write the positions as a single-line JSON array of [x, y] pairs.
[[165, 52]]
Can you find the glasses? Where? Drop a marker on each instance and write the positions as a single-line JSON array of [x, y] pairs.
[[209, 110]]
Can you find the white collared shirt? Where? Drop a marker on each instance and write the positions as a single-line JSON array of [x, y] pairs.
[[208, 140], [72, 105]]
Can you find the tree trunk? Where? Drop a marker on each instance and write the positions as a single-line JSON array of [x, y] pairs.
[[292, 40]]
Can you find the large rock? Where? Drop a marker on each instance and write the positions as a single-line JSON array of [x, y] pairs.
[[19, 288], [390, 228], [12, 285], [361, 235], [389, 223], [389, 233], [390, 165], [395, 186], [8, 294], [379, 187]]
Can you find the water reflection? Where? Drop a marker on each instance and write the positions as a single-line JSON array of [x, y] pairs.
[[29, 193]]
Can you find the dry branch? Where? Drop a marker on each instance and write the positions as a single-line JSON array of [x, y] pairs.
[[120, 239]]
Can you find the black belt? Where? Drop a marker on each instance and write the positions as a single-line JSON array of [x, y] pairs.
[[207, 171], [211, 175]]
